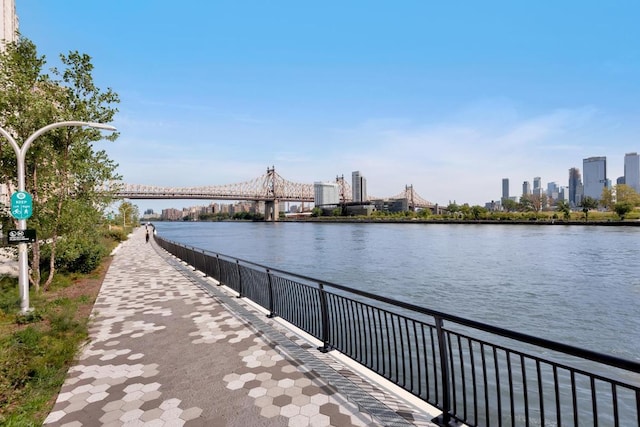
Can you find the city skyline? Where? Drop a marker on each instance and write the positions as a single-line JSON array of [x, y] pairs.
[[482, 92]]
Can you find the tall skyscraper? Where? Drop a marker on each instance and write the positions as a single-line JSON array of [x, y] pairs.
[[575, 183], [595, 176], [358, 187], [8, 22], [526, 188], [632, 170], [537, 182], [552, 190], [505, 189]]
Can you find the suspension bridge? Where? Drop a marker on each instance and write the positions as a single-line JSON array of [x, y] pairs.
[[270, 188]]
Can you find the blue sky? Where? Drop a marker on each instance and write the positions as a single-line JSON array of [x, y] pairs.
[[448, 96]]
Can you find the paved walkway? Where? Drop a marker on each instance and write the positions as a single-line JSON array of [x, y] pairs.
[[170, 348]]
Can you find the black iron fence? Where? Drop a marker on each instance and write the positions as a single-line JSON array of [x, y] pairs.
[[475, 373]]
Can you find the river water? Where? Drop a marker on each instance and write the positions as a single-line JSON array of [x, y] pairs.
[[578, 285]]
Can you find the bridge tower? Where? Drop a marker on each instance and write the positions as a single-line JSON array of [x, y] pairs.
[[343, 190], [408, 190], [271, 212]]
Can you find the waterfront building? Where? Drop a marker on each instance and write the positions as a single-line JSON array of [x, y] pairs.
[[632, 171], [326, 194], [575, 187], [526, 188], [171, 214], [505, 188], [595, 176], [358, 187]]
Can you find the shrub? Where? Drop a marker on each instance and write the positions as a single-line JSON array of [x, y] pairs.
[[75, 255]]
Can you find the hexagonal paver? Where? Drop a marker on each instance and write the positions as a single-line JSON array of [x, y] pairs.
[[290, 411], [282, 400], [270, 411]]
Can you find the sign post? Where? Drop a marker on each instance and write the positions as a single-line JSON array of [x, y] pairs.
[[24, 203]]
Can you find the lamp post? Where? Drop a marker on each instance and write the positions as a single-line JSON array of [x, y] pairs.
[[125, 210], [21, 152]]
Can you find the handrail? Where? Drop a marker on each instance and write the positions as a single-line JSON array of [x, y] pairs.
[[446, 368]]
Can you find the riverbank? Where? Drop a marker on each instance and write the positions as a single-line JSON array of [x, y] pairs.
[[608, 223]]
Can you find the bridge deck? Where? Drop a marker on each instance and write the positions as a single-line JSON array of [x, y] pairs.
[[169, 347]]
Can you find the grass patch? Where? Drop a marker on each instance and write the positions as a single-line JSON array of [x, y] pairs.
[[37, 348]]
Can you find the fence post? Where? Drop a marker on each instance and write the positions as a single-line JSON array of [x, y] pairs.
[[271, 314], [324, 312], [204, 263], [445, 418], [219, 278], [239, 280]]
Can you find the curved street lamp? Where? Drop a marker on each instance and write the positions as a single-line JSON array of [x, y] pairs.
[[21, 152]]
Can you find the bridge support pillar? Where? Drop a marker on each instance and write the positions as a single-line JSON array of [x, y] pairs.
[[271, 212]]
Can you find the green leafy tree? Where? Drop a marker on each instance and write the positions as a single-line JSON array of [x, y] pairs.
[[626, 194], [565, 209], [525, 204], [128, 214], [509, 205], [622, 209], [587, 204], [478, 212], [453, 209], [64, 174], [607, 198]]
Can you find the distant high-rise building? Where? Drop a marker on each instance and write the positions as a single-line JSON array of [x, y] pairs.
[[563, 194], [358, 187], [537, 182], [526, 188], [553, 191], [632, 170], [575, 183], [326, 193], [595, 176], [8, 22], [505, 189]]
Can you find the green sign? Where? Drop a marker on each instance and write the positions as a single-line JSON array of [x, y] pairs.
[[21, 205]]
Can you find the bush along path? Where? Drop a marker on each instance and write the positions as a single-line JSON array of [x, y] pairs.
[[37, 349]]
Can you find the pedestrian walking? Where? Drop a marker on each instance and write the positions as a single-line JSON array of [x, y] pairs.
[[147, 236]]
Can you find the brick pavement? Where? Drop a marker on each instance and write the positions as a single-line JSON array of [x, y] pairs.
[[170, 348]]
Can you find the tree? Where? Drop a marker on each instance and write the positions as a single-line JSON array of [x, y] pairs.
[[129, 214], [587, 204], [453, 208], [538, 201], [525, 204], [565, 209], [509, 205], [607, 198], [64, 174], [622, 209], [478, 212], [626, 194]]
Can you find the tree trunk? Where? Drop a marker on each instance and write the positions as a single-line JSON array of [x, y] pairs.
[[35, 247]]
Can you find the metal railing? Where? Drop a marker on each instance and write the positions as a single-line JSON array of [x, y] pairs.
[[475, 373]]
